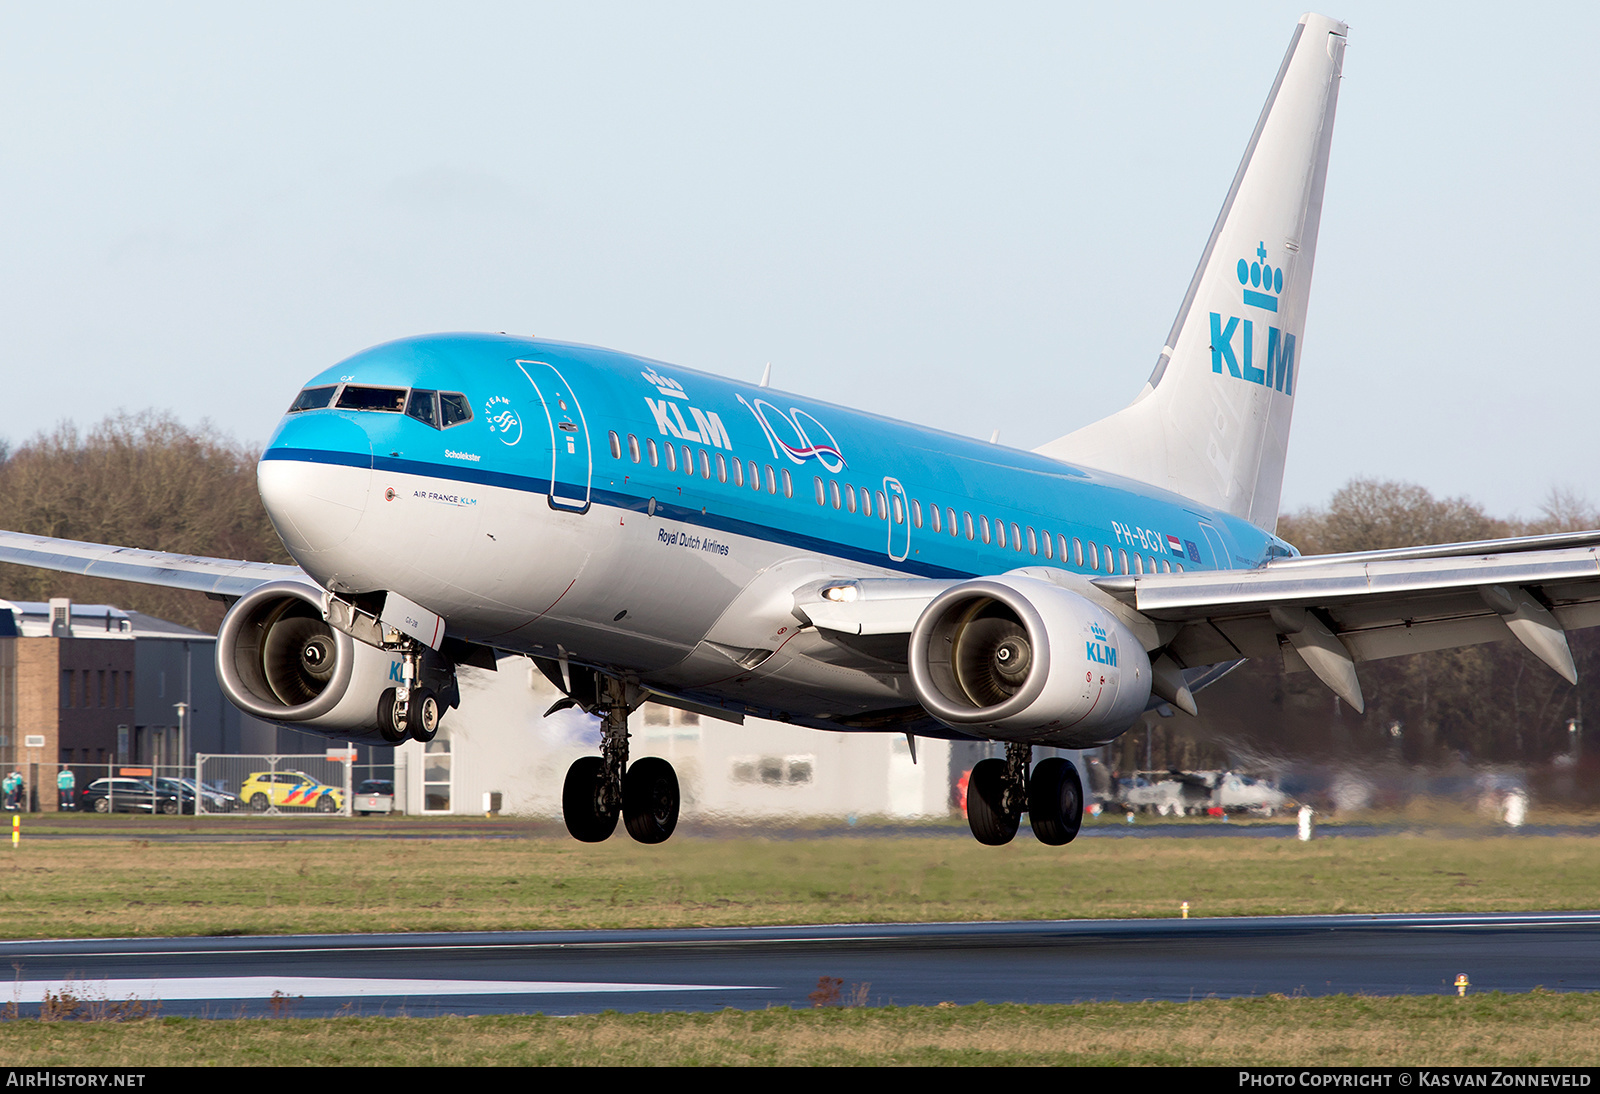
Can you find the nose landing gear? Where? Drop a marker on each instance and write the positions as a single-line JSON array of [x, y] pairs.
[[1000, 791], [600, 788]]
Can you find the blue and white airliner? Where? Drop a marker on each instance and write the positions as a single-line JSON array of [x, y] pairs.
[[646, 532]]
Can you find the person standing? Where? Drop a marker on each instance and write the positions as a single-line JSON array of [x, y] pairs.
[[66, 789]]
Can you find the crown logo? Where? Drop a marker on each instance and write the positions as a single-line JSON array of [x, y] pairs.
[[1098, 631], [1261, 282], [667, 386]]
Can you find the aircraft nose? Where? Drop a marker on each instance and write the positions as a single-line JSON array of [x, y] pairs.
[[314, 478]]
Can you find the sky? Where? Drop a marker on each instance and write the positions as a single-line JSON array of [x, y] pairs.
[[971, 216]]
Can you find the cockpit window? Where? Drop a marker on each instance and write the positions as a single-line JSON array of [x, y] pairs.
[[454, 409], [421, 407], [387, 399], [313, 398]]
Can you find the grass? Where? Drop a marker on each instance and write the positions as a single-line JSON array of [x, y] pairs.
[[1536, 1029], [89, 887]]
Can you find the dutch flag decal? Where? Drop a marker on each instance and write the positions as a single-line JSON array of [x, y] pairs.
[[1174, 545]]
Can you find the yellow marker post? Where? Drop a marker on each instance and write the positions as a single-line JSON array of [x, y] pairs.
[[1186, 909], [16, 831], [1462, 984]]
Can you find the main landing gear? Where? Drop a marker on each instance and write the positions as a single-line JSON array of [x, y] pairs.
[[413, 709], [1000, 791], [600, 788]]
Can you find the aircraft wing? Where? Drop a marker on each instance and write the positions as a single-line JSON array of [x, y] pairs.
[[218, 577], [1323, 613]]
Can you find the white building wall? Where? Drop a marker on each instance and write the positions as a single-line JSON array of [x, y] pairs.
[[500, 741]]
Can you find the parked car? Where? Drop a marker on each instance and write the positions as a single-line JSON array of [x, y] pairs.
[[125, 795], [215, 801], [289, 789], [374, 796]]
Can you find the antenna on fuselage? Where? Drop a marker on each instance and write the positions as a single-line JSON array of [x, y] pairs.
[[766, 375], [994, 438]]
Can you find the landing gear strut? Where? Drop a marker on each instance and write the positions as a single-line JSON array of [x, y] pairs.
[[1000, 791], [409, 710], [600, 788]]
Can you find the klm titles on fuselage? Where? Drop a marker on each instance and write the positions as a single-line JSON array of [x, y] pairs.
[[1261, 285], [707, 428]]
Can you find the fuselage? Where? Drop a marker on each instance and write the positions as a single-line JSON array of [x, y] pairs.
[[565, 500]]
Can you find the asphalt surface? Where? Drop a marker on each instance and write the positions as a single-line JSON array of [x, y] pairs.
[[572, 972]]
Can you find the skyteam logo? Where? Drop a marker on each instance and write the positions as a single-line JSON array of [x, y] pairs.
[[1098, 649], [793, 439], [1263, 286]]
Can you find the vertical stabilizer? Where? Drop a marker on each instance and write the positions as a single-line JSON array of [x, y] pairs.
[[1212, 423]]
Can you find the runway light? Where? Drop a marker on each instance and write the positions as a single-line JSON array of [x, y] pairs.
[[1462, 985]]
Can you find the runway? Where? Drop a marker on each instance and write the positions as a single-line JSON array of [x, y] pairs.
[[572, 972]]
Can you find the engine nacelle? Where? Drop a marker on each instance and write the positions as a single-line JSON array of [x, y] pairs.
[[1016, 658], [278, 659]]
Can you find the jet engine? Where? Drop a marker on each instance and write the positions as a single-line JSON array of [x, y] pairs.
[[1015, 658], [278, 659]]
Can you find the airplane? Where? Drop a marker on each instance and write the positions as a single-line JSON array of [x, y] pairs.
[[646, 532]]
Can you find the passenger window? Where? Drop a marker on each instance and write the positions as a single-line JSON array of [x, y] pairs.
[[722, 468], [705, 465], [738, 473], [650, 449], [1033, 543], [849, 497], [983, 527], [1016, 538], [967, 520], [633, 448], [833, 492], [1094, 557], [788, 485], [822, 492], [421, 406], [389, 400], [1049, 545], [772, 481], [866, 502], [999, 533], [1122, 558], [688, 461], [898, 519], [933, 512], [950, 519], [672, 457], [453, 409], [616, 445], [1077, 551], [1138, 565], [916, 513], [313, 398], [755, 476], [899, 508]]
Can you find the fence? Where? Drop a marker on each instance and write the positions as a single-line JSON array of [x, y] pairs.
[[251, 785]]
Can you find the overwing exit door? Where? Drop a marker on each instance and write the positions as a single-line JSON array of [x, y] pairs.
[[571, 458]]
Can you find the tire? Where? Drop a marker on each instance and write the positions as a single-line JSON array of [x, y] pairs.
[[102, 805], [326, 804], [387, 729], [1055, 801], [424, 715], [985, 792], [580, 801], [258, 803], [650, 800], [170, 808]]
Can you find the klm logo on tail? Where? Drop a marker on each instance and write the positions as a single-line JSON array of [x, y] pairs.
[[1262, 286]]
